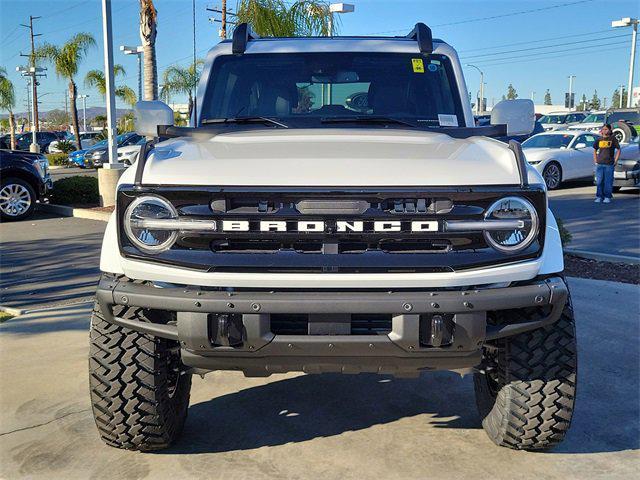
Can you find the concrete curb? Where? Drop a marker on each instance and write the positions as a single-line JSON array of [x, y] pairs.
[[603, 257], [75, 212], [12, 311]]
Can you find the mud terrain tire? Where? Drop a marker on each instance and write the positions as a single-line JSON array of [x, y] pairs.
[[526, 398], [138, 394]]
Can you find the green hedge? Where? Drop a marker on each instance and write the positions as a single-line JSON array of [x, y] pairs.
[[58, 159], [75, 191]]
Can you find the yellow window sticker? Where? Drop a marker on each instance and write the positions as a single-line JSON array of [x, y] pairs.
[[418, 65]]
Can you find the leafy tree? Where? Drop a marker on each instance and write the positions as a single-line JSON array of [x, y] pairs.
[[511, 93], [594, 104], [97, 80], [615, 98], [66, 60], [547, 97], [148, 32], [58, 118], [99, 121], [8, 102], [277, 18], [181, 81]]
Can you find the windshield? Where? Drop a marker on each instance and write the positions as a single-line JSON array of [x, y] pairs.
[[316, 86], [553, 119], [594, 118], [548, 141]]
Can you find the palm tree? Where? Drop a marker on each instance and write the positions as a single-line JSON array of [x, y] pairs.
[[96, 79], [100, 121], [178, 80], [276, 18], [66, 60], [148, 31], [8, 102]]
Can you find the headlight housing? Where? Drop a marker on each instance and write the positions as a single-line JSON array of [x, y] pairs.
[[514, 239], [138, 224]]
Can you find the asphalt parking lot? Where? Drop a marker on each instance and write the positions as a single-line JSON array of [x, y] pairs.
[[58, 173], [318, 426], [596, 227]]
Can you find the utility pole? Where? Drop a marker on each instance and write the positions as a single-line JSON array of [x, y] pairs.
[[223, 11], [604, 103], [29, 106], [32, 64], [571, 77], [533, 95]]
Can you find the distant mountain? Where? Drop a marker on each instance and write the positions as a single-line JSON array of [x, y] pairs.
[[91, 112]]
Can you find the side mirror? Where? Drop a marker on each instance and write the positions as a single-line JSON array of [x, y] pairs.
[[517, 115], [149, 114], [580, 145]]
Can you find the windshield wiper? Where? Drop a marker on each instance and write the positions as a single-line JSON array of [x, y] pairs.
[[367, 119], [271, 121]]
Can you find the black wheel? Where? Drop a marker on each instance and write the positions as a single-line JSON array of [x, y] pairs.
[[139, 390], [552, 175], [17, 199], [527, 392]]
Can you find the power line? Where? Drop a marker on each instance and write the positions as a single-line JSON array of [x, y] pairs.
[[547, 46], [542, 56], [528, 42], [493, 17]]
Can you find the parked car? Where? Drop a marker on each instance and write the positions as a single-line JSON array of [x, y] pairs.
[[565, 155], [88, 139], [44, 139], [592, 122], [560, 120], [625, 123], [129, 154], [98, 155], [627, 171], [5, 141], [25, 180]]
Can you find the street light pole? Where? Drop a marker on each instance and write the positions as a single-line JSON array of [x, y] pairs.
[[571, 77], [479, 105], [629, 22], [135, 51], [336, 8], [622, 95], [84, 111]]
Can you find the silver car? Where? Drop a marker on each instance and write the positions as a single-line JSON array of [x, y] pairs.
[[560, 120]]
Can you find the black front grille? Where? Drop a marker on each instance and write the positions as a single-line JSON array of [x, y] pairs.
[[332, 250]]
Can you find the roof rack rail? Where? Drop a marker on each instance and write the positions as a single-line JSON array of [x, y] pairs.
[[241, 36], [421, 34]]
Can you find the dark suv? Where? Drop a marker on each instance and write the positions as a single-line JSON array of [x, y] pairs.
[[24, 179], [43, 138]]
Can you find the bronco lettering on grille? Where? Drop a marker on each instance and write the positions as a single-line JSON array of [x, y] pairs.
[[341, 226]]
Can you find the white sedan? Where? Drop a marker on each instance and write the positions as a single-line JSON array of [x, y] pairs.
[[129, 154], [561, 155]]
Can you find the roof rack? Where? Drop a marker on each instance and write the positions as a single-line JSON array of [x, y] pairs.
[[241, 36], [422, 34]]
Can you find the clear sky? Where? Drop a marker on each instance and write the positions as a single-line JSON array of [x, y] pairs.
[[532, 44]]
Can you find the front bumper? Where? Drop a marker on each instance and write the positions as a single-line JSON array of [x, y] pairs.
[[258, 351], [626, 178]]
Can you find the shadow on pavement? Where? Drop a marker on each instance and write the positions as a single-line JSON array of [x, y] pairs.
[[311, 406], [49, 271]]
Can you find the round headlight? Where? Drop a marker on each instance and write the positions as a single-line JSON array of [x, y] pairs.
[[514, 238], [145, 237]]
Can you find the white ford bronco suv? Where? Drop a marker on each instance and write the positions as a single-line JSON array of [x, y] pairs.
[[332, 208]]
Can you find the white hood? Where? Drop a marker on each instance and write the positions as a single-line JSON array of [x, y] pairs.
[[331, 157]]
